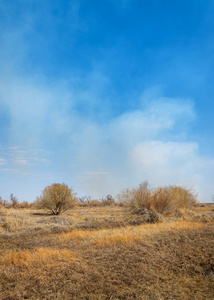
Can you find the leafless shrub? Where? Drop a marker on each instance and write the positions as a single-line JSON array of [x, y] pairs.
[[137, 198], [87, 201], [168, 200], [57, 198], [108, 201], [14, 201], [24, 204], [165, 201], [3, 203]]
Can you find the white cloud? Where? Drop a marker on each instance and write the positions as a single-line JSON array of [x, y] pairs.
[[155, 118], [95, 173], [21, 162], [3, 161], [164, 163], [13, 148], [100, 157], [19, 159], [9, 170], [148, 144]]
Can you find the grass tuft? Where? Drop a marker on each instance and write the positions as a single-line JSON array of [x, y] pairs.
[[37, 258]]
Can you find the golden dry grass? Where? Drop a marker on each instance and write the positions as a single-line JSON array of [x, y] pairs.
[[205, 208], [169, 260], [76, 235], [127, 235], [36, 258], [139, 234], [13, 220]]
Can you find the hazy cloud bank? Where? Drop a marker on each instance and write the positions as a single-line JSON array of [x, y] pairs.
[[150, 143]]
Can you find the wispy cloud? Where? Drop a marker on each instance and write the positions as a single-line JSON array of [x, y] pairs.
[[20, 161], [21, 157], [9, 170], [14, 148], [3, 161], [95, 173]]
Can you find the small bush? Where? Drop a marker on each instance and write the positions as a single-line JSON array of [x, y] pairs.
[[87, 201], [108, 201], [137, 198], [24, 204], [165, 201], [14, 201], [4, 203], [57, 198], [169, 200]]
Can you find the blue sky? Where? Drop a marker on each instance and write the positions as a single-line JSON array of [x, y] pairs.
[[103, 95]]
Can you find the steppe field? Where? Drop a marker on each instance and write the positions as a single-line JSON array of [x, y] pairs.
[[106, 252]]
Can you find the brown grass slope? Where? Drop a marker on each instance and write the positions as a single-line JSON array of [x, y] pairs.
[[171, 260]]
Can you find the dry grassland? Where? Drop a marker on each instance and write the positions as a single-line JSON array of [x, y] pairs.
[[105, 253]]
